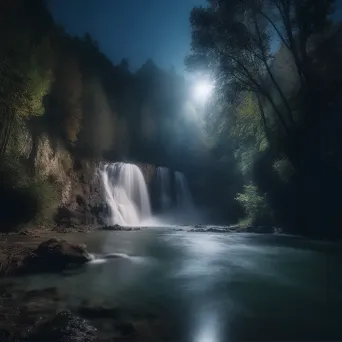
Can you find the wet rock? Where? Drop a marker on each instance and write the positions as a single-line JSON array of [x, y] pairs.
[[64, 327], [219, 230], [6, 336], [211, 230], [278, 231], [37, 302], [54, 255], [13, 260], [48, 292], [237, 229], [27, 232], [99, 312], [110, 321], [114, 227], [117, 227]]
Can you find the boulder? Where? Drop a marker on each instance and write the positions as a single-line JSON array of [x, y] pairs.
[[211, 230], [64, 327], [219, 230], [117, 227], [54, 255], [112, 320]]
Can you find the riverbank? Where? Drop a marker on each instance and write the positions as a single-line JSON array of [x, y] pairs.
[[43, 314], [162, 285]]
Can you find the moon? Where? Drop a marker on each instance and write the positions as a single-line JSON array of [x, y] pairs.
[[202, 91]]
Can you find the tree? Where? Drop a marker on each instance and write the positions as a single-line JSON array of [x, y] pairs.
[[295, 23], [67, 96], [232, 41], [25, 76], [24, 83]]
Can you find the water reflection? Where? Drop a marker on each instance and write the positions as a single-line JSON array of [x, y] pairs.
[[211, 287], [207, 327]]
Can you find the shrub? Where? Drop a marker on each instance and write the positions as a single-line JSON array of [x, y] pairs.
[[254, 204]]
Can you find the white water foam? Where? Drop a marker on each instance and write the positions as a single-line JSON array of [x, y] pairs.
[[126, 193]]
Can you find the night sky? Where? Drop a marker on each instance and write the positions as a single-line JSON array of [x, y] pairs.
[[135, 29]]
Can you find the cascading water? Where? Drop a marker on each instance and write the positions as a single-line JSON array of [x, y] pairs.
[[184, 198], [126, 193], [175, 204], [164, 188]]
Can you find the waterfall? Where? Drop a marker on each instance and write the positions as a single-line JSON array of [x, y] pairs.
[[126, 193], [184, 198], [164, 188]]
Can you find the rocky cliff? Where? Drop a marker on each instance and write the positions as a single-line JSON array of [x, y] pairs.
[[53, 183], [48, 182]]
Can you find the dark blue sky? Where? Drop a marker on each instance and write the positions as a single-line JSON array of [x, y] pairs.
[[136, 29]]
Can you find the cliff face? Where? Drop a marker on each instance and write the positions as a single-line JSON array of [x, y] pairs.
[[67, 190], [52, 185], [85, 203], [81, 198]]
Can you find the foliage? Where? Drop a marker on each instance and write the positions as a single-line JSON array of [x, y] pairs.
[[25, 79], [66, 96], [248, 133], [253, 203], [276, 66], [284, 168]]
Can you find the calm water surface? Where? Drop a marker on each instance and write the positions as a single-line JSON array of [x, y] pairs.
[[212, 287]]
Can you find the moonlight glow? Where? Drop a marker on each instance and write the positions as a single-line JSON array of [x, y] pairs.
[[202, 90]]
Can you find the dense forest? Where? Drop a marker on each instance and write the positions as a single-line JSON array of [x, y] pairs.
[[277, 72], [265, 150]]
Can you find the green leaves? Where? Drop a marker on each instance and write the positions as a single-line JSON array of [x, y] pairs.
[[254, 203], [35, 85], [24, 81]]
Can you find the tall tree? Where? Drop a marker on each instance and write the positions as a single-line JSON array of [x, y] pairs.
[[231, 41], [67, 98], [235, 41]]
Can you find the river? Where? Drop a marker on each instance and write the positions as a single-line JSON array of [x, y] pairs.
[[208, 287]]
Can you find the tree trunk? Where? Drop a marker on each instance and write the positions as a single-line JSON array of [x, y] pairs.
[[279, 115], [7, 134], [263, 117], [274, 81]]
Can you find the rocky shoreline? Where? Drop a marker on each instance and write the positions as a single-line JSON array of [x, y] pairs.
[[36, 316], [232, 229]]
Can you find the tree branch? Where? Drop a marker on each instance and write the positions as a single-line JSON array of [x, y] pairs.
[[276, 29]]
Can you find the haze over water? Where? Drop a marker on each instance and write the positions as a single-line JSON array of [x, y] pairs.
[[211, 287]]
